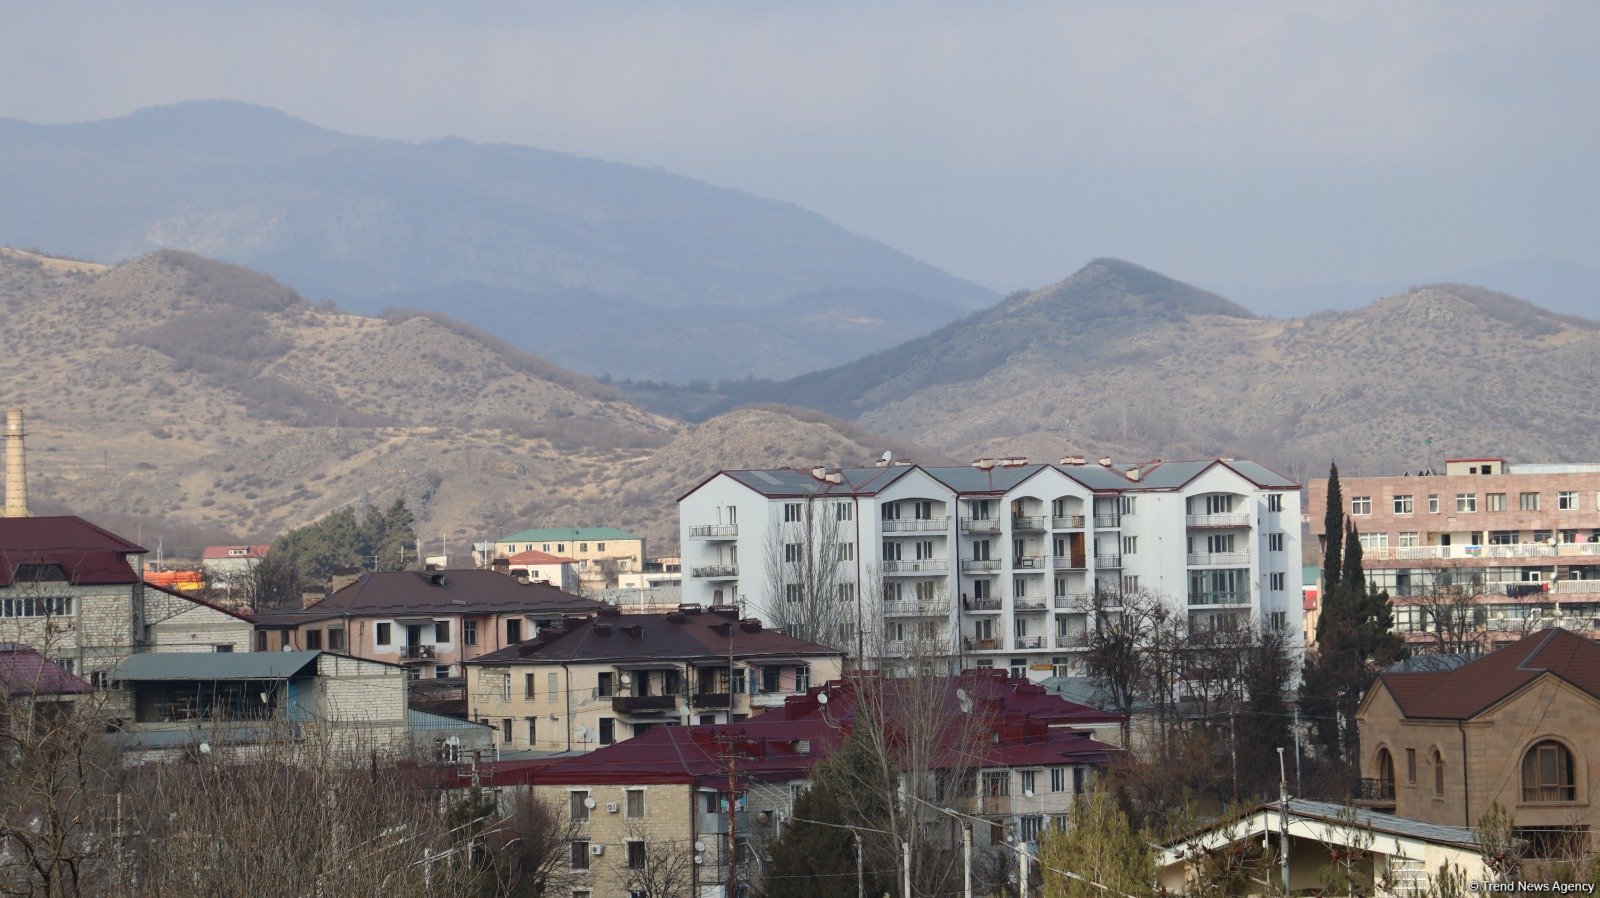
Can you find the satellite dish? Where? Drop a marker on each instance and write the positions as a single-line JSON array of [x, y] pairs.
[[453, 741], [589, 803], [265, 698], [627, 680], [699, 846], [287, 647], [888, 456], [583, 733], [205, 748], [961, 694], [822, 698], [1027, 793], [682, 709]]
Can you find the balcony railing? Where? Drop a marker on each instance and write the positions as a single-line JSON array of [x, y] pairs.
[[911, 608], [914, 525], [980, 564], [1028, 562], [418, 653], [980, 643], [924, 566], [1029, 642], [980, 525], [1029, 522], [1372, 789], [715, 572], [714, 531], [1069, 563], [1108, 561], [1232, 519], [1107, 521], [1072, 600], [970, 604], [1071, 640], [712, 701], [1223, 559], [1516, 550], [1219, 598], [637, 704], [717, 823], [1067, 522], [1028, 604]]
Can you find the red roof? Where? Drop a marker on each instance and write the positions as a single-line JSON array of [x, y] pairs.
[[222, 553], [1022, 725], [534, 556], [1468, 690], [675, 636], [24, 671], [64, 548]]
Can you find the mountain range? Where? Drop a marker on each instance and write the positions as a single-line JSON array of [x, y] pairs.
[[599, 266]]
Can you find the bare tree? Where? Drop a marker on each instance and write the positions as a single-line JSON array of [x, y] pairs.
[[658, 868], [528, 848], [811, 588]]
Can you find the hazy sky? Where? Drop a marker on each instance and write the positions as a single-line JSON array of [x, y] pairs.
[[1266, 143]]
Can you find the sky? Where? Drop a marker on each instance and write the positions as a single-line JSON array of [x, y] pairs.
[[1260, 148]]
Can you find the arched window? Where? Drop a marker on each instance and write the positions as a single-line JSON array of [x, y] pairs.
[[1385, 774], [1438, 772], [1547, 773]]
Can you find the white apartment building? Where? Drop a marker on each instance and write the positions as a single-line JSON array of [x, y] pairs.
[[997, 561]]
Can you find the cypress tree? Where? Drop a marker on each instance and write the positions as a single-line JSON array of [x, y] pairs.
[[1333, 532], [814, 860]]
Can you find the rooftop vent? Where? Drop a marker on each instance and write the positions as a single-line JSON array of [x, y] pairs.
[[1072, 460], [1013, 461], [1133, 474], [750, 625], [677, 618], [602, 629], [633, 631], [819, 472], [1105, 461], [608, 611], [983, 464], [689, 608]]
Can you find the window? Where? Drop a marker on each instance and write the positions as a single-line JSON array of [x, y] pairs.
[[221, 648], [1438, 773], [441, 631], [1410, 539], [599, 547], [384, 637], [791, 512], [1503, 537], [1127, 504], [1019, 587], [1275, 502], [441, 672], [845, 511], [550, 688], [1373, 540], [769, 678], [1404, 505], [1130, 583], [1278, 620], [1274, 542], [922, 510], [635, 803], [336, 638], [261, 640], [608, 730], [1028, 781], [1411, 766], [533, 730], [635, 854], [846, 552], [578, 802], [505, 729], [313, 640], [1528, 501], [528, 690], [1058, 779], [580, 855], [890, 511], [1466, 502], [1275, 581], [997, 785], [1567, 500], [469, 632], [847, 592], [583, 547], [1433, 503], [1494, 501], [513, 632], [794, 592], [1361, 505], [605, 684], [1130, 545], [1547, 773]]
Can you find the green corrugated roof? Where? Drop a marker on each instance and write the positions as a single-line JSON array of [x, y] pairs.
[[566, 534], [1309, 574], [213, 665]]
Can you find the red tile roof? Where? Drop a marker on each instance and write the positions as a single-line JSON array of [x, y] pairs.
[[1468, 690], [222, 553], [468, 591], [675, 636], [24, 671], [534, 556], [80, 552]]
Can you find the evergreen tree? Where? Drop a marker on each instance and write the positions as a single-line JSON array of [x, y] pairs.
[[813, 860], [1333, 529], [1100, 845], [377, 540], [1264, 719]]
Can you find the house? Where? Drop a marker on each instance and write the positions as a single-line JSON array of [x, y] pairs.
[[1028, 755], [226, 565], [601, 552], [428, 621], [33, 688], [1407, 854], [658, 573], [591, 682], [1513, 727], [250, 702], [999, 561], [72, 590], [535, 566], [1521, 541]]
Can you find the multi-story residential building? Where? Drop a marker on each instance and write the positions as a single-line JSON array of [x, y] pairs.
[[1028, 755], [1001, 560], [1512, 727], [601, 552], [604, 679], [72, 591], [429, 621], [1521, 540], [542, 567]]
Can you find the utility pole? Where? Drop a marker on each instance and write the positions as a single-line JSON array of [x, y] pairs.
[[729, 742], [1022, 864], [1298, 788], [907, 867], [1233, 753], [1283, 819], [861, 876], [966, 857]]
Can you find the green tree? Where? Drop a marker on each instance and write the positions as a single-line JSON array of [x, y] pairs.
[[1264, 717], [376, 540], [817, 860], [1101, 846]]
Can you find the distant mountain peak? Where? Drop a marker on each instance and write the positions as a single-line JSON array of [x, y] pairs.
[[1446, 302], [1107, 286]]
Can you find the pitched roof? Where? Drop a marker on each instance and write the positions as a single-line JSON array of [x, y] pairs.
[[200, 603], [215, 666], [1468, 690], [24, 671], [783, 483], [676, 636], [220, 553], [64, 548], [465, 591], [549, 534], [1340, 816], [534, 556]]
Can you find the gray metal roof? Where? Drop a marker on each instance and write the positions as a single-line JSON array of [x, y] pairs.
[[1097, 477], [998, 479], [1172, 474], [1383, 823], [427, 720], [1262, 474], [214, 666], [797, 482]]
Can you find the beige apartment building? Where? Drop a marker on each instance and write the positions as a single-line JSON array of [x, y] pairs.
[[588, 683], [1522, 539], [601, 553]]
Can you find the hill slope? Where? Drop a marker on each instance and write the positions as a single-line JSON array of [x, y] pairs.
[[577, 258], [1119, 359], [178, 393]]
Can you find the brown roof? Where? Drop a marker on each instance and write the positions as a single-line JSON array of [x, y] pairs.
[[64, 548], [468, 591], [24, 671], [534, 556], [1468, 690], [675, 636], [219, 553]]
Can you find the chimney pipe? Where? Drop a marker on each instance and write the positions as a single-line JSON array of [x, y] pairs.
[[16, 470]]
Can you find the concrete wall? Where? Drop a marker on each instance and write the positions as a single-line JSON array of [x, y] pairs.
[[668, 825]]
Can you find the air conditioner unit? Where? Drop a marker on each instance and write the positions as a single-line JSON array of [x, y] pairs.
[[612, 807], [597, 850]]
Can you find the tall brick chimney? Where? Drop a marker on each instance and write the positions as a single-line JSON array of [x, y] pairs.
[[16, 470]]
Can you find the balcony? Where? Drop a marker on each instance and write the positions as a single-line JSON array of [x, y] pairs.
[[980, 525], [717, 823], [1219, 598], [924, 525], [1026, 605], [1078, 640], [1028, 563], [418, 653], [715, 532], [924, 566], [981, 565], [1372, 792], [1073, 563], [715, 572], [1029, 522], [913, 609], [1107, 521], [1219, 559], [1234, 519], [1108, 561], [712, 701], [643, 704], [1029, 642], [1067, 522], [1072, 600], [970, 604], [1514, 550], [980, 643]]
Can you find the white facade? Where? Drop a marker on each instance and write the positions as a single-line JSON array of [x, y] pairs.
[[998, 563]]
